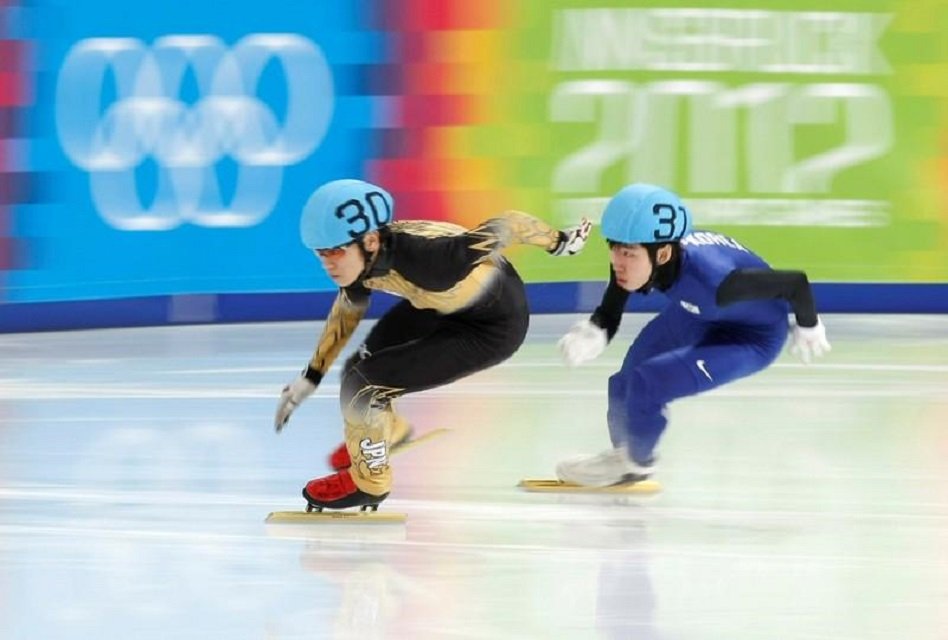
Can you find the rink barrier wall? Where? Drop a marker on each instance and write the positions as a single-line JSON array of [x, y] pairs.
[[560, 297]]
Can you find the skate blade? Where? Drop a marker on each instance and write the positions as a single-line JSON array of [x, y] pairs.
[[402, 447], [334, 517], [643, 487], [353, 517]]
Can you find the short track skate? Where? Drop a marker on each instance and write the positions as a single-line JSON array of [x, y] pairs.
[[366, 514], [642, 487]]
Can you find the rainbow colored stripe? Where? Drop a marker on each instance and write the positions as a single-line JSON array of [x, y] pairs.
[[442, 153], [14, 97]]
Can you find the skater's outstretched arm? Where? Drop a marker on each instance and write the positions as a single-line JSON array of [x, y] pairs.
[[766, 284], [808, 336], [517, 227], [608, 315], [439, 262], [588, 338], [347, 311]]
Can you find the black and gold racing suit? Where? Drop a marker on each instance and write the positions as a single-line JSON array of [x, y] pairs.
[[464, 310]]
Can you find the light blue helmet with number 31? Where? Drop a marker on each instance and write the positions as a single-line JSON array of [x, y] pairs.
[[342, 211], [645, 214]]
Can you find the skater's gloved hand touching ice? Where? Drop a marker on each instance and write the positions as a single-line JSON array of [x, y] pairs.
[[572, 239], [291, 397], [809, 342], [582, 343]]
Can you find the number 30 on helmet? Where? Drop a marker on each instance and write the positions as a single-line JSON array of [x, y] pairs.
[[342, 211], [645, 214]]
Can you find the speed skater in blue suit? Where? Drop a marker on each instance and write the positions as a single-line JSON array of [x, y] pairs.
[[726, 317]]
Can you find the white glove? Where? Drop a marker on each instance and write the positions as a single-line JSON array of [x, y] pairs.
[[582, 343], [292, 396], [809, 342], [573, 239]]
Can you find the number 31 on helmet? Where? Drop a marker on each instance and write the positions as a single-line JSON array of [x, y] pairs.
[[645, 214]]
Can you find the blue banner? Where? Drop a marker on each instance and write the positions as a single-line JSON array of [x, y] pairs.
[[174, 146]]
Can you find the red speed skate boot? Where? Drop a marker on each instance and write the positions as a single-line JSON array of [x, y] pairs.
[[340, 459], [338, 491]]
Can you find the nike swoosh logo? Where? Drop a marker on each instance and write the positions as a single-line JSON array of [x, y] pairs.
[[700, 364]]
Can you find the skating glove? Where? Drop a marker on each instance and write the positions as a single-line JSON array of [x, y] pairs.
[[291, 397], [809, 342], [572, 239], [582, 343]]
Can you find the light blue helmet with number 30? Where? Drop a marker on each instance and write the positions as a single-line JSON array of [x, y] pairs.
[[342, 211], [643, 214]]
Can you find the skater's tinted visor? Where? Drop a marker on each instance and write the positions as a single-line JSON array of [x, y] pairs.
[[335, 252]]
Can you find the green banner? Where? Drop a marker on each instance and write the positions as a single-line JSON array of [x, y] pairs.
[[816, 133]]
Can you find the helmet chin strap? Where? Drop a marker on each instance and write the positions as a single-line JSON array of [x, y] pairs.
[[662, 274], [652, 260], [368, 259]]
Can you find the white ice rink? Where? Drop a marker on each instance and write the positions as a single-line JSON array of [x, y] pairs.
[[137, 467]]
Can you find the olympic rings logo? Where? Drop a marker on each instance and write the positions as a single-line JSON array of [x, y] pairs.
[[156, 127]]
